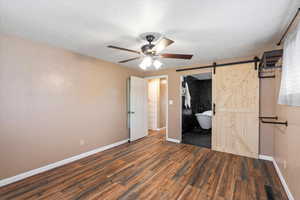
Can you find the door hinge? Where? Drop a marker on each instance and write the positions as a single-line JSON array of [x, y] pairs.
[[214, 109], [214, 66]]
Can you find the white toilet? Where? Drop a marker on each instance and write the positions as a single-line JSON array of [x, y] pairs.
[[204, 119]]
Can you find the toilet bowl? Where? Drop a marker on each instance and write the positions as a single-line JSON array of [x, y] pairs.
[[204, 119]]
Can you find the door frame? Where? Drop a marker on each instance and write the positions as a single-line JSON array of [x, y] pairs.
[[180, 99], [167, 107]]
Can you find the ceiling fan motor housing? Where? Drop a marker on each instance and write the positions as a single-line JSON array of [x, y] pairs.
[[147, 48]]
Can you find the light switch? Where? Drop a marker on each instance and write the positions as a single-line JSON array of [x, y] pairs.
[[171, 102]]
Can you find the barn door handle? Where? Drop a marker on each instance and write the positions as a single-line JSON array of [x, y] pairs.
[[214, 109], [131, 112]]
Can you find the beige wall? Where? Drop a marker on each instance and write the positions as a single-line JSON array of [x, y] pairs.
[[50, 99], [287, 143], [267, 108]]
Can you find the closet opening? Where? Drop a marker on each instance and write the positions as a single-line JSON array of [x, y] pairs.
[[196, 107], [157, 106]]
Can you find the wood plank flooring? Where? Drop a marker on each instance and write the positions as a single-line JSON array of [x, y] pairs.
[[152, 168]]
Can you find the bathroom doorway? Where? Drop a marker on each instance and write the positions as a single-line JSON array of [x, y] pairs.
[[196, 94], [157, 106]]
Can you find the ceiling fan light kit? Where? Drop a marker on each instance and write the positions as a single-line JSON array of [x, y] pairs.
[[157, 64], [146, 62], [151, 52]]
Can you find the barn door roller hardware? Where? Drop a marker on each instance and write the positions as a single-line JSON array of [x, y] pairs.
[[288, 28], [215, 65]]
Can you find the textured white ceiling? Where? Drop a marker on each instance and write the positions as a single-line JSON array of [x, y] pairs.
[[209, 29]]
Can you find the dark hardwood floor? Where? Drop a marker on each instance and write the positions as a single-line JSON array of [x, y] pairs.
[[152, 168]]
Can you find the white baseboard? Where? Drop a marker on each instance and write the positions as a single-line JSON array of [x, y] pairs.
[[264, 157], [157, 129], [283, 182], [173, 140], [27, 174], [286, 187]]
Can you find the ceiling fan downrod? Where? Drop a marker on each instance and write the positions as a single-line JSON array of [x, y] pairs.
[[150, 38]]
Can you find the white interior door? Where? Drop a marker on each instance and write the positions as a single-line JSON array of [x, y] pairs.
[[138, 116]]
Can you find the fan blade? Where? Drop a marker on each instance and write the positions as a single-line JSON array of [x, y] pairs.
[[162, 44], [123, 49], [124, 61], [176, 56]]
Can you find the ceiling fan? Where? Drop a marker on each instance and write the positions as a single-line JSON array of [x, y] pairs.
[[152, 52]]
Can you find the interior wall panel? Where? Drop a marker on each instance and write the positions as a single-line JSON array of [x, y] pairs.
[[55, 104]]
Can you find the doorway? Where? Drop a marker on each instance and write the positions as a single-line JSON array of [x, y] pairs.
[[197, 109], [157, 106]]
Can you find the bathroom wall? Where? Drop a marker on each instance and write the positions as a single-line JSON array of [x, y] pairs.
[[55, 104], [201, 93], [201, 97]]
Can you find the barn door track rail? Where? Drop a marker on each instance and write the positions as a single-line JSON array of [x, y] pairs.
[[215, 65]]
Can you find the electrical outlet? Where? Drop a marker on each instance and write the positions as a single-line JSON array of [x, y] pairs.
[[81, 142], [171, 102]]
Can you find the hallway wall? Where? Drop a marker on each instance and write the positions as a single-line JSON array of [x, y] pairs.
[[163, 102], [153, 104]]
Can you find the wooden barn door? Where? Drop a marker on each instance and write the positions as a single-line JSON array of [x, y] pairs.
[[235, 123]]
